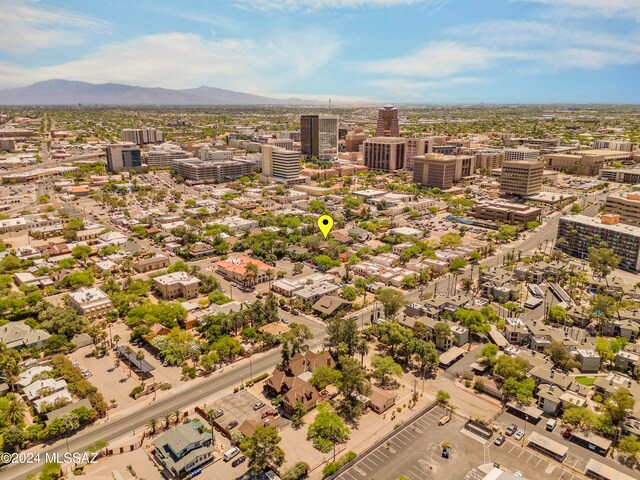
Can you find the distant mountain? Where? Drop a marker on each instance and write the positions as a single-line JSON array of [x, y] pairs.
[[67, 92]]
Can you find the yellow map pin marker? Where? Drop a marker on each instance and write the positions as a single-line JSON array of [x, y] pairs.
[[325, 224]]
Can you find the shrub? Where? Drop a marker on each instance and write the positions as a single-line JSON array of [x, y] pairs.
[[332, 467], [478, 385], [467, 383], [259, 378], [136, 391]]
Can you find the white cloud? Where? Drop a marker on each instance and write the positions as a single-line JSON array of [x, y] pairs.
[[612, 8], [419, 90], [316, 5], [27, 26], [183, 60]]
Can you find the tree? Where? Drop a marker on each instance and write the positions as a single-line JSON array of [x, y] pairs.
[[324, 375], [392, 301], [153, 425], [262, 450], [297, 471], [349, 293], [61, 320], [560, 356], [409, 281], [297, 268], [580, 417], [426, 355], [299, 411], [522, 390], [81, 252], [324, 262], [450, 240], [442, 397], [511, 367], [603, 261], [15, 410], [297, 337], [327, 430], [342, 334], [575, 209], [489, 354], [353, 383], [630, 445], [251, 273], [457, 264], [384, 368], [557, 314], [619, 405]]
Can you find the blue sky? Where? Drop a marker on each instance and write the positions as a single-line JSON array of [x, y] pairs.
[[403, 51]]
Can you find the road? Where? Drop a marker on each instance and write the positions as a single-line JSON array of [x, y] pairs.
[[124, 425]]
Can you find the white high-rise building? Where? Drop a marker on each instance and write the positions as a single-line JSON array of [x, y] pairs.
[[520, 155]]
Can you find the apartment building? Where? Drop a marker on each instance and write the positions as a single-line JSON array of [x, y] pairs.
[[618, 175], [90, 302], [195, 170], [177, 285], [142, 136], [506, 212], [489, 159], [626, 205], [521, 177], [577, 233], [434, 171], [385, 154]]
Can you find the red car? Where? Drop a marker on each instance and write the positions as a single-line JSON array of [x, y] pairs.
[[268, 413], [567, 433]]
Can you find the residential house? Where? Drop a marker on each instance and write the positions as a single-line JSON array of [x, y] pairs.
[[20, 335], [149, 264], [182, 449]]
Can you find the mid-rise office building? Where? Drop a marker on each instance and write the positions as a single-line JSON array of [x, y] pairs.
[[626, 205], [619, 175], [284, 143], [489, 159], [434, 171], [575, 163], [142, 136], [281, 166], [387, 125], [521, 177], [354, 139], [121, 156], [319, 136], [386, 154], [195, 170], [163, 155], [506, 212], [619, 145], [520, 155], [209, 153], [465, 165], [416, 146], [578, 233]]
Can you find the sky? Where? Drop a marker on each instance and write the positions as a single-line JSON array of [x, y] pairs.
[[398, 51]]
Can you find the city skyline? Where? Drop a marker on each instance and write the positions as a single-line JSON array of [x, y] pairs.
[[356, 51]]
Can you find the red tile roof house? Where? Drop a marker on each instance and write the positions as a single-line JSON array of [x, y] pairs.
[[291, 386]]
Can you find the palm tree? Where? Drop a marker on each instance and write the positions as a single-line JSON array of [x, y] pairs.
[[116, 339], [140, 357], [176, 416], [153, 425], [14, 414], [362, 347], [129, 351], [167, 420]]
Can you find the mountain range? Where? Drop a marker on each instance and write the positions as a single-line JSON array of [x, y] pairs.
[[68, 92]]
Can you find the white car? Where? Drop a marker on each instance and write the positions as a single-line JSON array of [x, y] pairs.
[[518, 435]]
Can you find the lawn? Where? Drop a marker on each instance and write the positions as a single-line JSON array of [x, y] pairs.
[[586, 381]]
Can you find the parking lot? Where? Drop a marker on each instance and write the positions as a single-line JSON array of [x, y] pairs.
[[415, 451], [239, 407]]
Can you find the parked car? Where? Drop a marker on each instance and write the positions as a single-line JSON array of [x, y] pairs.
[[284, 320], [511, 429], [258, 406], [232, 424], [518, 435], [518, 474], [499, 440], [286, 308], [268, 413], [444, 420], [567, 433], [238, 461], [295, 312], [218, 413]]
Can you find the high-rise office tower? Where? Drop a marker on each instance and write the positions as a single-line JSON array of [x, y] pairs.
[[521, 177], [319, 136], [121, 156], [309, 136], [384, 153], [388, 122]]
